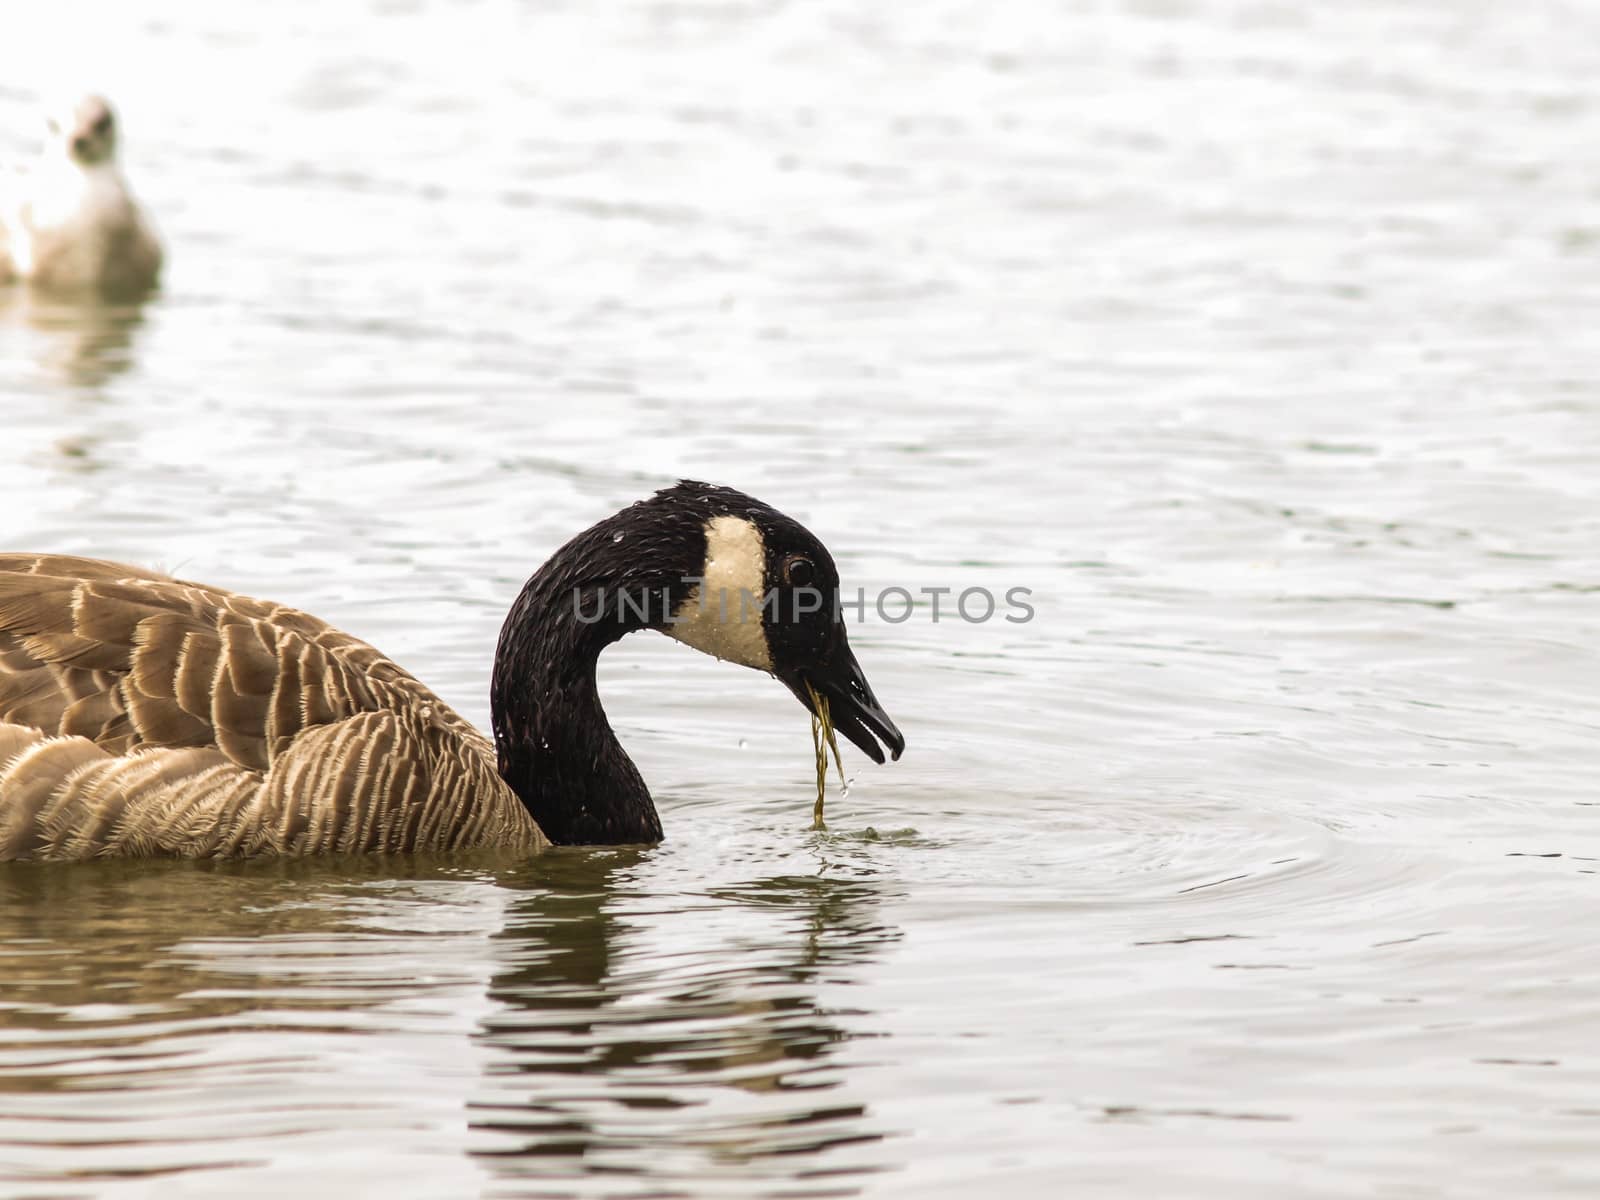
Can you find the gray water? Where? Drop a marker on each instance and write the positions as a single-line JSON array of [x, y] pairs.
[[1257, 339]]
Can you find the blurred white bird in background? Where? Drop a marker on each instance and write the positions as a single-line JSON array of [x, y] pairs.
[[69, 223]]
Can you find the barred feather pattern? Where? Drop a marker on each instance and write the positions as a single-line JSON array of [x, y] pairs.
[[142, 715]]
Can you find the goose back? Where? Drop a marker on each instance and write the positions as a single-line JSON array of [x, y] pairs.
[[141, 714]]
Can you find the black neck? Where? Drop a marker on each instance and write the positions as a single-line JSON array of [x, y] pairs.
[[555, 747]]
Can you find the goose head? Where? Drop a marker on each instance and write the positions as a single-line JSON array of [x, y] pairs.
[[709, 566], [86, 130], [766, 596]]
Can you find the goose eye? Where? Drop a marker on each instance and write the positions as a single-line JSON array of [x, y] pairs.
[[799, 571], [103, 125]]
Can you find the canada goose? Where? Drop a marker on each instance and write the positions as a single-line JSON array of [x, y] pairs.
[[143, 715], [73, 225]]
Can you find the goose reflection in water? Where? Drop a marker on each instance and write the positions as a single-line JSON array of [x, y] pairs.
[[624, 1044], [82, 341], [573, 1025]]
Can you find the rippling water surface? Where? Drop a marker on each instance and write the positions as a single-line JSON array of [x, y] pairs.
[[1257, 339]]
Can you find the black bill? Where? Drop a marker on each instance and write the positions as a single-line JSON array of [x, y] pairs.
[[853, 709]]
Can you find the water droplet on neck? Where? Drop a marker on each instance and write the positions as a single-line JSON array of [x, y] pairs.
[[617, 536]]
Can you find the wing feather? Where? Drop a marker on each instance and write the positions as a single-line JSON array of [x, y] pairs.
[[144, 715], [194, 669]]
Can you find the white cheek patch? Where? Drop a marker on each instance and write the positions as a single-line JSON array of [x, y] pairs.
[[722, 615]]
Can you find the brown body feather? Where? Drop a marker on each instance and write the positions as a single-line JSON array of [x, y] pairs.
[[142, 715]]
